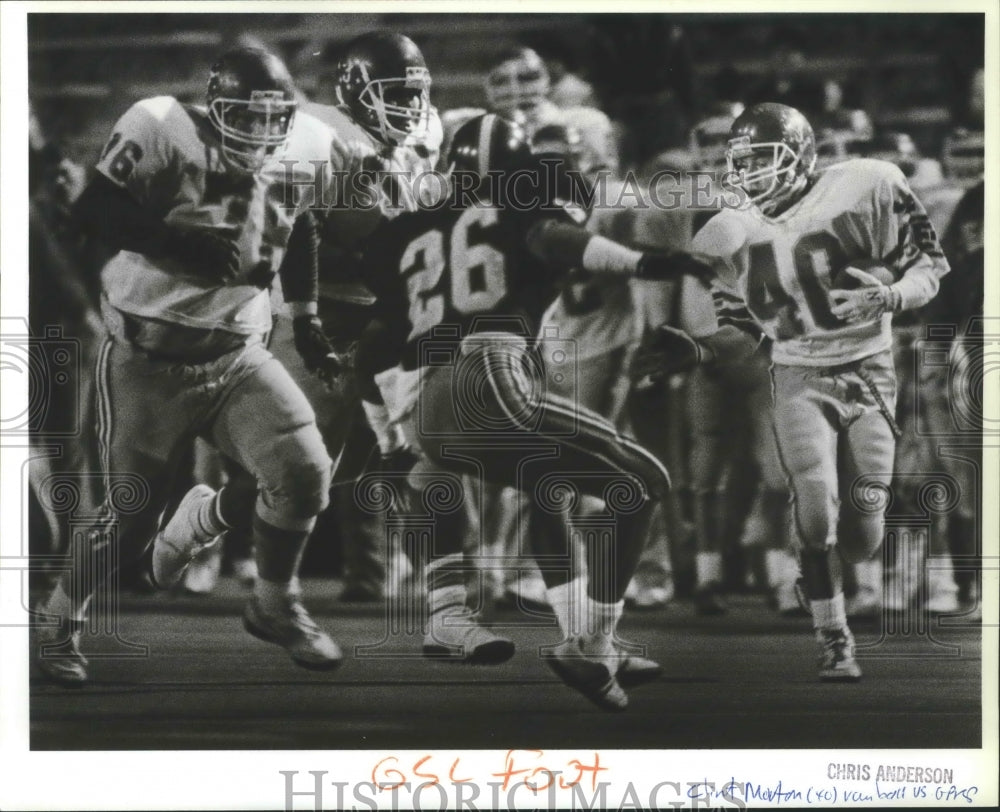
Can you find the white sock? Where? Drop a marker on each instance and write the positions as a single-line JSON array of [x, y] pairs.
[[779, 566], [708, 567], [829, 613], [598, 637], [446, 598], [209, 520], [566, 601], [869, 576]]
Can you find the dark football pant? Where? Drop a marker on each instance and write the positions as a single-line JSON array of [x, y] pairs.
[[487, 414]]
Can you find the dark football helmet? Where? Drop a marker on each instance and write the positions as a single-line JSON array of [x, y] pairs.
[[384, 83], [771, 153], [251, 104], [488, 147], [489, 143]]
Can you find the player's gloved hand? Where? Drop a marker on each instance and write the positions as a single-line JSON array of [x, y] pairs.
[[315, 348], [261, 275], [668, 352], [394, 466], [865, 303], [209, 253], [661, 266]]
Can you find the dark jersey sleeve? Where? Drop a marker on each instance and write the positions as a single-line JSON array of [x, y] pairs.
[[380, 273], [300, 266]]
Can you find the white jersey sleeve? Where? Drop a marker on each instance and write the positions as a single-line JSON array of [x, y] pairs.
[[780, 269], [301, 173], [719, 242], [139, 153], [906, 241]]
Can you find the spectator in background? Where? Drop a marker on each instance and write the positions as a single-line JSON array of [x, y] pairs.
[[646, 82], [959, 303], [58, 296], [567, 87], [788, 83], [835, 115]]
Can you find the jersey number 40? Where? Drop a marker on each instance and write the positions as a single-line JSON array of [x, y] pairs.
[[813, 258]]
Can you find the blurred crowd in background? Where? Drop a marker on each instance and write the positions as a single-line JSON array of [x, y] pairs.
[[905, 88]]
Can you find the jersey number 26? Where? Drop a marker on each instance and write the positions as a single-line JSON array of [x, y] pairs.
[[477, 272]]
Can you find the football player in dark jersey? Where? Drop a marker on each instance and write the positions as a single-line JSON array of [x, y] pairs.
[[461, 288]]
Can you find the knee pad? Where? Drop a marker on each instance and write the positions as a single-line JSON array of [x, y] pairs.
[[861, 536], [298, 486]]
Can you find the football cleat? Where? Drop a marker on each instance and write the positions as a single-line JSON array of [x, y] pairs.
[[457, 636], [641, 594], [202, 575], [836, 658], [178, 544], [588, 675], [292, 628], [56, 652], [634, 670]]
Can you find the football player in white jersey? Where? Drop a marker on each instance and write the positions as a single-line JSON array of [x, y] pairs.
[[819, 263], [205, 205], [517, 87]]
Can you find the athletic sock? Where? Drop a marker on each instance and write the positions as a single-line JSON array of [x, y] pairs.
[[829, 613], [208, 519], [597, 641], [446, 600], [778, 564], [708, 567], [567, 601]]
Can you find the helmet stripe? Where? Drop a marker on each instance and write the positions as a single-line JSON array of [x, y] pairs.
[[485, 140]]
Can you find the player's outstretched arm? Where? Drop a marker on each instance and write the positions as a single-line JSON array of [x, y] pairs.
[[698, 336], [565, 245]]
